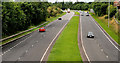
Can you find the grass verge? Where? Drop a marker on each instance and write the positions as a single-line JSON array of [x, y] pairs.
[[77, 13], [105, 27], [54, 18], [66, 46], [48, 19]]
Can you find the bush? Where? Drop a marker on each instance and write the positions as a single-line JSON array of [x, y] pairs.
[[112, 10], [19, 16], [106, 17], [53, 11], [117, 16]]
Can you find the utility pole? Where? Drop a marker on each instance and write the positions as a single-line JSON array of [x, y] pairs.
[[108, 13]]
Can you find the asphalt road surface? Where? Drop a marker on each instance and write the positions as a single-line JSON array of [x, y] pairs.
[[32, 47], [98, 48]]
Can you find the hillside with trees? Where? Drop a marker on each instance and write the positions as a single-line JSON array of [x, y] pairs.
[[19, 16]]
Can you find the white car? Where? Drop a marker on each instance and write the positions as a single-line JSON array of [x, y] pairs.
[[87, 14], [90, 35]]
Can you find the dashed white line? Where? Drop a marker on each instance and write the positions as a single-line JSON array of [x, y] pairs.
[[26, 51], [53, 40], [15, 45], [105, 35], [19, 58], [106, 56], [82, 41], [32, 45], [102, 50]]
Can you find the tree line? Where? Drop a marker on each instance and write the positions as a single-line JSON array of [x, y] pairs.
[[19, 16], [100, 8]]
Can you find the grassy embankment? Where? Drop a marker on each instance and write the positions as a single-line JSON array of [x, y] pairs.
[[66, 46], [112, 30], [48, 19]]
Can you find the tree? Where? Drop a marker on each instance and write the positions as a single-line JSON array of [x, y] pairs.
[[13, 18], [112, 10], [104, 8]]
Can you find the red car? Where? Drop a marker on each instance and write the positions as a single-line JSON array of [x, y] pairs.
[[42, 29]]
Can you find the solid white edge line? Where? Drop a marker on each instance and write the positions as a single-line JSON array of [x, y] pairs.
[[15, 46], [82, 41], [105, 35], [53, 40]]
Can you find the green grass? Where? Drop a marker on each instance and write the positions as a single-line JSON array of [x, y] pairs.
[[66, 46], [105, 27], [48, 19], [77, 13]]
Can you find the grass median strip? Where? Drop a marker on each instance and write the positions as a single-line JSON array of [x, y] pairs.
[[66, 46], [105, 27], [77, 13], [48, 19]]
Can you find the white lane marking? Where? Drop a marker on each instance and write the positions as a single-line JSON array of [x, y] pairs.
[[102, 50], [106, 56], [54, 39], [105, 35], [82, 41], [26, 51], [19, 58], [15, 45], [32, 45]]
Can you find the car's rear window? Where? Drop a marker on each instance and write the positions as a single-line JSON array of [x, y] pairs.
[[90, 32], [41, 28]]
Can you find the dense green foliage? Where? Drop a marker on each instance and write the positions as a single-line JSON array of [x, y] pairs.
[[112, 10], [73, 6], [109, 29], [53, 11], [100, 8], [19, 16], [13, 18], [117, 16]]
